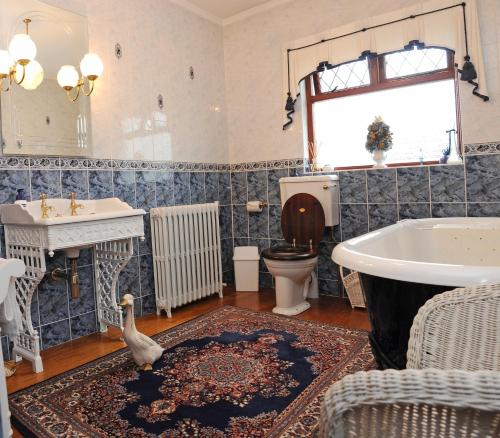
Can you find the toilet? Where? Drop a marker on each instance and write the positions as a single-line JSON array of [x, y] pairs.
[[309, 203]]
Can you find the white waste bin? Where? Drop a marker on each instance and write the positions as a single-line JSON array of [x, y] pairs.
[[246, 268]]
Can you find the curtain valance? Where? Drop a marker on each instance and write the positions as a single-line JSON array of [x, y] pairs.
[[443, 29]]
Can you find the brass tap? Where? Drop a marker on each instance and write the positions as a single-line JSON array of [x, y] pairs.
[[73, 205], [44, 207]]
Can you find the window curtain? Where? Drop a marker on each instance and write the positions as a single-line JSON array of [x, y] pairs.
[[443, 29]]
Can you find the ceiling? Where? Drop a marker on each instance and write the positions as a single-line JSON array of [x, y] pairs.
[[224, 9]]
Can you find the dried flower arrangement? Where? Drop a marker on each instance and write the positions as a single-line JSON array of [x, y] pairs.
[[379, 136]]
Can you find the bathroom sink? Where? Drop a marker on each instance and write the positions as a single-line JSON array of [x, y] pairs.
[[96, 221], [93, 210], [109, 226]]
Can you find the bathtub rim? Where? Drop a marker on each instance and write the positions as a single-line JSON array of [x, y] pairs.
[[350, 255]]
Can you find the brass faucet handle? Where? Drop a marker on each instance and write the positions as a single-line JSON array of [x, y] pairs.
[[73, 205], [45, 210], [43, 196]]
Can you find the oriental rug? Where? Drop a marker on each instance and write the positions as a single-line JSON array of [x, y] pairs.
[[229, 373]]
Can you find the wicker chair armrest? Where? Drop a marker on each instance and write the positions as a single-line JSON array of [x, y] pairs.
[[458, 329], [430, 387]]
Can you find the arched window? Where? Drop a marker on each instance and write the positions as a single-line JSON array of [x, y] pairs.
[[413, 90]]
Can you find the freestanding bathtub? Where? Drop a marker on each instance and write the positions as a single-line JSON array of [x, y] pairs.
[[403, 265]]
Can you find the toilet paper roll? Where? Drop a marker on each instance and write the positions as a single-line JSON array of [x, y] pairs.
[[254, 206]]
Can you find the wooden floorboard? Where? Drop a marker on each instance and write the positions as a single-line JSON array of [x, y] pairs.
[[69, 355]]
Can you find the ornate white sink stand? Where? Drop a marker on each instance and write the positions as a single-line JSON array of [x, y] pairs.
[[112, 240]]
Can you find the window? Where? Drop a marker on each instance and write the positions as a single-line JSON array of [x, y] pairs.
[[414, 91]]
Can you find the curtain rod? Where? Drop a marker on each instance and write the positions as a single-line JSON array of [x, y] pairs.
[[468, 72]]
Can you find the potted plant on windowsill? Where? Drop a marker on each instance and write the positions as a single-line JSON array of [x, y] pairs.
[[378, 141]]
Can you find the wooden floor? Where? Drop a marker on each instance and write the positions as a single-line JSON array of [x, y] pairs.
[[69, 355]]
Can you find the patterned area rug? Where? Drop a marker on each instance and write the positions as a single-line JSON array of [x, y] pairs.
[[229, 373]]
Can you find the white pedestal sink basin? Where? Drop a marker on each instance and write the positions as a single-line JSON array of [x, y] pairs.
[[109, 225]]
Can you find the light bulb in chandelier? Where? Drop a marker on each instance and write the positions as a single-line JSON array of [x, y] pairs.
[[33, 75], [22, 49], [91, 66], [67, 77], [6, 63]]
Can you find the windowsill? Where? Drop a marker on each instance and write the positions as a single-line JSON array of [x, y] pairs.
[[389, 166]]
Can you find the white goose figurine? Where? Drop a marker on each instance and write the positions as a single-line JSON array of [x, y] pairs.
[[144, 350]]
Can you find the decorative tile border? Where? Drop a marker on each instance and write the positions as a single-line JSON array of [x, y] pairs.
[[482, 148], [69, 163], [63, 163]]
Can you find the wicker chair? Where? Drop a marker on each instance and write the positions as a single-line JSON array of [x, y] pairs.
[[413, 403], [459, 329], [454, 390]]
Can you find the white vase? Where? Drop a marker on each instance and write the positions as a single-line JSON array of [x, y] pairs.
[[379, 158]]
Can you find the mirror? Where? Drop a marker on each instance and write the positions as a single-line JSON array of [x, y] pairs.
[[44, 121]]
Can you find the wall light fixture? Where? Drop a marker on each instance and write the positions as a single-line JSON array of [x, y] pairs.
[[18, 64], [68, 78]]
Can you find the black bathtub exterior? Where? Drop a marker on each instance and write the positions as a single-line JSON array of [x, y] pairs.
[[392, 306]]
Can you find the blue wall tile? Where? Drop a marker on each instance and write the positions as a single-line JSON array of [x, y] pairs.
[[164, 188], [10, 181], [328, 287], [55, 333], [257, 185], [182, 194], [83, 325], [128, 281], [414, 211], [147, 276], [483, 209], [240, 221], [212, 186], [447, 183], [259, 224], [382, 186], [225, 221], [100, 184], [413, 184], [273, 185], [198, 188], [275, 222], [86, 302], [382, 215], [227, 253], [148, 304], [327, 269], [75, 181], [46, 181], [354, 220], [145, 187], [224, 188], [353, 187], [124, 186], [456, 209], [483, 180], [239, 187]]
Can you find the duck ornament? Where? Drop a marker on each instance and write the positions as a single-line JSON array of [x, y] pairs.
[[144, 350]]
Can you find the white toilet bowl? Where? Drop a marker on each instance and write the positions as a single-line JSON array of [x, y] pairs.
[[295, 280]]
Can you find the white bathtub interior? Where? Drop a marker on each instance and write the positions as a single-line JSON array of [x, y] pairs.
[[421, 248]]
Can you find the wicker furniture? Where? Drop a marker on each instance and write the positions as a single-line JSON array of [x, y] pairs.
[[352, 285], [452, 386], [413, 403], [459, 329]]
